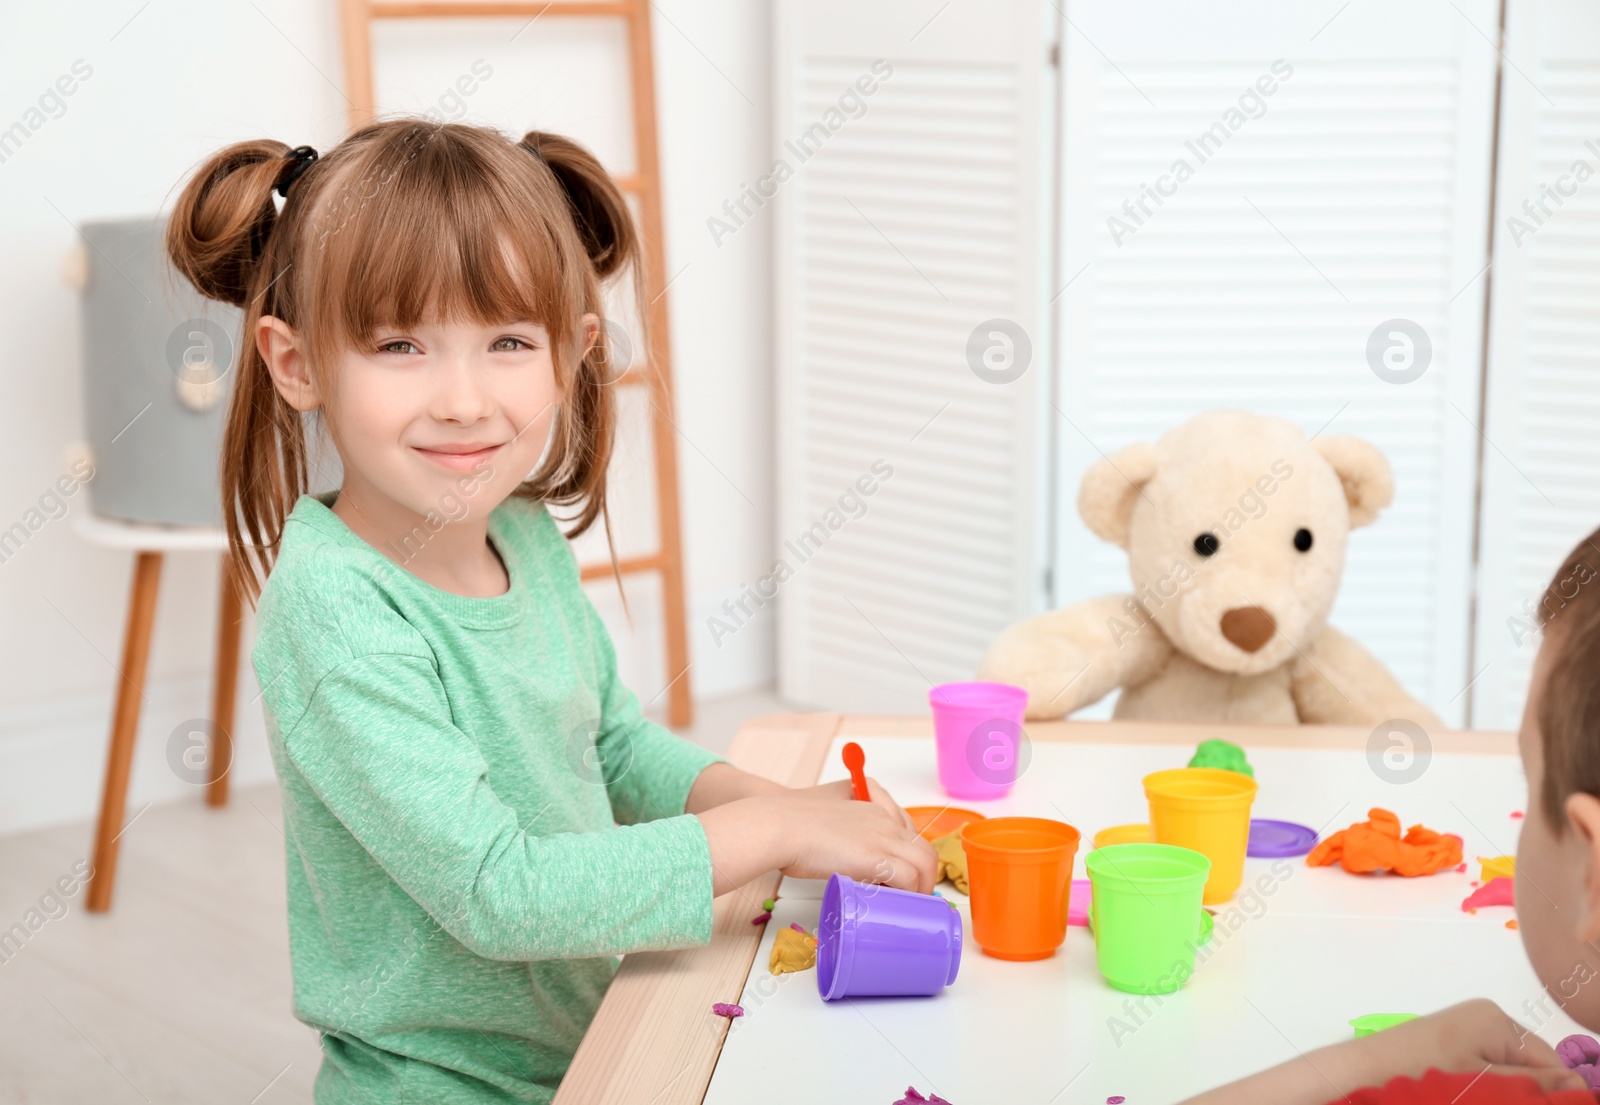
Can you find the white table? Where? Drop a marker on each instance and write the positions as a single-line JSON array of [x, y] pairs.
[[1289, 968]]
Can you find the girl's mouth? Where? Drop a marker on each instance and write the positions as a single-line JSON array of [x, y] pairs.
[[459, 462]]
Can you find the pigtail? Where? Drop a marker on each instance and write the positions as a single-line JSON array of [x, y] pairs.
[[219, 236], [586, 425]]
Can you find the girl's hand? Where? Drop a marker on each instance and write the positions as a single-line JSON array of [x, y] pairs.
[[868, 841], [842, 789], [811, 834]]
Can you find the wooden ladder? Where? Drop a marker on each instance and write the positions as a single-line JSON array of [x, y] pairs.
[[356, 17]]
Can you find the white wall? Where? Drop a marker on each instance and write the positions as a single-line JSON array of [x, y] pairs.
[[169, 84]]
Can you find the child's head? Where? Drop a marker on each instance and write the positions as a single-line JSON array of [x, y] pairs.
[[1558, 858], [426, 287]]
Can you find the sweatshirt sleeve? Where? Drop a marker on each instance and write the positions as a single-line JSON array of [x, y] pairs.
[[648, 770], [377, 744]]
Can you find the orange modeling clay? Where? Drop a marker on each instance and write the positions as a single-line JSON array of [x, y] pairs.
[[1376, 844]]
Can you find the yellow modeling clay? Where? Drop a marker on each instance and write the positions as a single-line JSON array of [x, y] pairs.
[[1498, 867], [793, 951], [952, 860]]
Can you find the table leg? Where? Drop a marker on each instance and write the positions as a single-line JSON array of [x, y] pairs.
[[124, 728], [226, 678]]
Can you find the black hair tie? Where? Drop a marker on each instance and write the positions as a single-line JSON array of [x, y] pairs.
[[303, 157]]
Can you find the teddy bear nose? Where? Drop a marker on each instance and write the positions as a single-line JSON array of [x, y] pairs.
[[1249, 627]]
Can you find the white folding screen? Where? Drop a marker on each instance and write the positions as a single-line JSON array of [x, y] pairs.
[[911, 181], [1354, 192], [1540, 491]]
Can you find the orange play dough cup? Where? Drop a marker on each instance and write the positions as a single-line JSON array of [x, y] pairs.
[[1019, 870], [932, 822], [1206, 809]]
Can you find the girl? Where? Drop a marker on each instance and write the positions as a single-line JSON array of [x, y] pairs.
[[479, 820]]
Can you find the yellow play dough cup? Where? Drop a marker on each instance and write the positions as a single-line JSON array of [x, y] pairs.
[[1206, 809]]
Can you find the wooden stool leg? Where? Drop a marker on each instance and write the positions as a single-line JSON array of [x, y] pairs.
[[124, 728], [225, 680]]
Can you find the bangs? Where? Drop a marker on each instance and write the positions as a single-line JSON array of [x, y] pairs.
[[461, 235]]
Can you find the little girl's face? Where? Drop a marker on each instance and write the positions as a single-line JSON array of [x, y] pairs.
[[442, 415]]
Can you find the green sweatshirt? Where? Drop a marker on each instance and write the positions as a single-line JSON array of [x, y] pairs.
[[478, 818]]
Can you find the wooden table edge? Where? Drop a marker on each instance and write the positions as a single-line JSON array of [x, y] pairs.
[[655, 1041]]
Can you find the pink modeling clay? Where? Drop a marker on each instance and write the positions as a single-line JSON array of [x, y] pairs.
[[723, 1009], [1117, 1100], [1078, 900], [1494, 892], [761, 920], [796, 926], [1581, 1053], [1516, 815], [912, 1097]]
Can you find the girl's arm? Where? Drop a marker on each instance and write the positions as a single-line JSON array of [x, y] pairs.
[[378, 746]]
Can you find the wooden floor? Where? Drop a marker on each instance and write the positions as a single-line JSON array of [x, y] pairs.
[[182, 993]]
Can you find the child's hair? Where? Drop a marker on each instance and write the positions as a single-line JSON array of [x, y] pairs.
[[1568, 710], [406, 220]]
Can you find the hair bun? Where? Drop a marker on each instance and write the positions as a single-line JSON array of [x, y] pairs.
[[223, 217], [599, 209]]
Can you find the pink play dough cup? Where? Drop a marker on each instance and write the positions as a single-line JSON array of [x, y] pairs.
[[977, 729]]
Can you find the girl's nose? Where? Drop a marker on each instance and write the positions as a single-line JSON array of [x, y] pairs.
[[461, 395]]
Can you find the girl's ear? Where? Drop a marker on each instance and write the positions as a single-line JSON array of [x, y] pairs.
[[589, 327], [1583, 814], [287, 365]]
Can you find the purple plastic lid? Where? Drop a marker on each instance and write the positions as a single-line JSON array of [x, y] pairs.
[[1276, 839]]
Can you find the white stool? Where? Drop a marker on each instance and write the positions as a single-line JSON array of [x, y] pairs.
[[150, 542]]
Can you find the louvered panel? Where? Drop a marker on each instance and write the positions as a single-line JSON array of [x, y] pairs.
[[1540, 493], [917, 220], [1359, 194]]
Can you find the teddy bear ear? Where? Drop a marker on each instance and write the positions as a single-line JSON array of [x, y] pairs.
[[1364, 472], [1110, 488]]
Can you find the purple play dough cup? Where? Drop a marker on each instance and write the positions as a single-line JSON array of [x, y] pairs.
[[977, 728], [876, 941]]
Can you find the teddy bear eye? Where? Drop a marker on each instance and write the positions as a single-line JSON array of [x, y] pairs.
[[1302, 540], [1207, 544]]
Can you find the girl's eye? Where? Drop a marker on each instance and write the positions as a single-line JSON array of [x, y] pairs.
[[390, 346], [519, 341]]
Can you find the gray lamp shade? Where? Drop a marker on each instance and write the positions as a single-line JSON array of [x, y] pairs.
[[159, 361]]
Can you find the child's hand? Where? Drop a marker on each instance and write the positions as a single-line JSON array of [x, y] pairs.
[[1473, 1036], [868, 841], [842, 789], [812, 833]]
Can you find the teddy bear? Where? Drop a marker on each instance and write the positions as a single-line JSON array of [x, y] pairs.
[[1235, 526]]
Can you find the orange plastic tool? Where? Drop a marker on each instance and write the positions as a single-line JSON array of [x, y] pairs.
[[856, 761]]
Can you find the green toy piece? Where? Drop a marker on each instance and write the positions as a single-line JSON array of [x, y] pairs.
[[1222, 754], [1377, 1022]]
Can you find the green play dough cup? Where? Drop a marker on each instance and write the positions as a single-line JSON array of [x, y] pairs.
[[1145, 900]]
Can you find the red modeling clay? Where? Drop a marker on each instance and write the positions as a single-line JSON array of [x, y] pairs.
[[1376, 844], [723, 1009], [1516, 814], [912, 1097], [1494, 892]]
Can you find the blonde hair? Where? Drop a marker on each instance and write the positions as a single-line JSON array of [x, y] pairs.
[[404, 221]]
